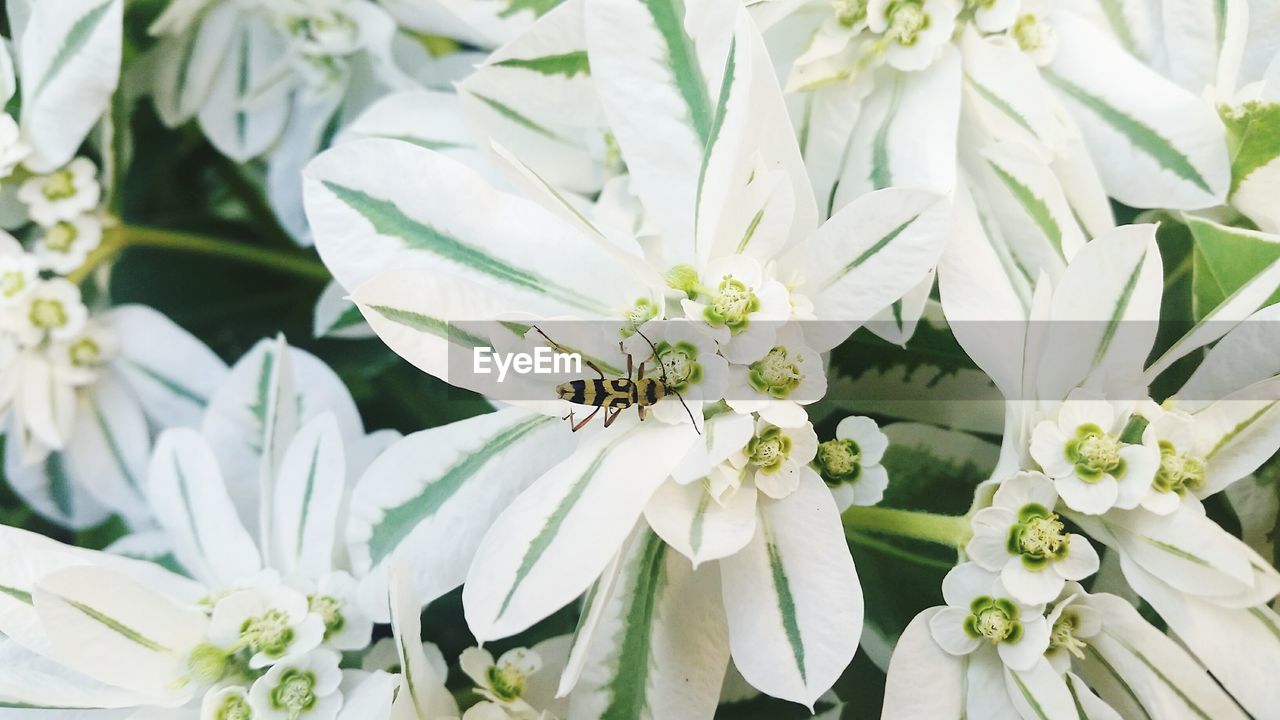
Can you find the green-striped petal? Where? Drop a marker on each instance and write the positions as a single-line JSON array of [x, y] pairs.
[[661, 646], [792, 596], [557, 537], [445, 486]]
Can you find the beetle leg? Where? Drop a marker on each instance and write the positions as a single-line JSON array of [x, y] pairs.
[[640, 409], [587, 419], [608, 419]]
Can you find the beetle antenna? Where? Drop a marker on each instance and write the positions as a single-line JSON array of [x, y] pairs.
[[667, 382]]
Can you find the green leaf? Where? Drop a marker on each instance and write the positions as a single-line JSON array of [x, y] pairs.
[[1253, 131], [1226, 258]]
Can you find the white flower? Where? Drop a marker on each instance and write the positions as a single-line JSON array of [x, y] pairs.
[[80, 359], [850, 462], [772, 459], [300, 687], [1072, 623], [19, 273], [1092, 468], [737, 301], [778, 385], [994, 15], [346, 625], [913, 31], [228, 703], [1181, 475], [12, 149], [63, 194], [981, 610], [1023, 539], [690, 365], [272, 623], [1033, 33], [504, 681], [64, 245], [319, 28], [52, 310]]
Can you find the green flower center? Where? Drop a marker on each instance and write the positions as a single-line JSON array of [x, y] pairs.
[[1063, 635], [323, 30], [839, 461], [1029, 33], [1095, 453], [730, 305], [48, 314], [12, 283], [777, 373], [330, 610], [506, 682], [269, 633], [906, 21], [234, 707], [850, 12], [60, 185], [642, 312], [680, 361], [995, 619], [208, 664], [61, 237], [1039, 536], [85, 352], [296, 692], [768, 449], [1179, 472]]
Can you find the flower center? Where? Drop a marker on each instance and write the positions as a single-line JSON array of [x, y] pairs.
[[47, 313], [1038, 537], [680, 362], [330, 610], [777, 373], [995, 619], [269, 633], [61, 237], [1029, 33], [732, 302], [839, 461], [1063, 637], [12, 283], [850, 12], [85, 352], [506, 682], [234, 707], [906, 21], [60, 185], [1179, 472], [296, 692], [768, 449], [643, 311], [1095, 453]]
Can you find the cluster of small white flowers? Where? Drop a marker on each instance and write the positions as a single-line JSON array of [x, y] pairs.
[[43, 319]]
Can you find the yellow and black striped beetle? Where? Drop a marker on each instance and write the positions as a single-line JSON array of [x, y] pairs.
[[618, 393]]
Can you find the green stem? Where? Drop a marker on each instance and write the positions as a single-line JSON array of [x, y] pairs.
[[949, 530], [118, 238], [867, 541]]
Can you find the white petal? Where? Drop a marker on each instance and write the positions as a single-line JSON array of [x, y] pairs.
[[947, 630], [1026, 488], [444, 486], [1024, 654], [1041, 692], [989, 546], [965, 582], [702, 529], [1093, 498], [923, 681], [1081, 560], [792, 597], [1032, 587], [553, 541], [308, 494]]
